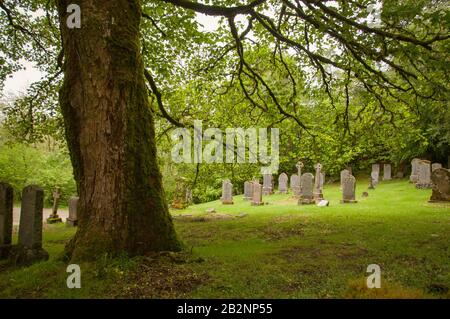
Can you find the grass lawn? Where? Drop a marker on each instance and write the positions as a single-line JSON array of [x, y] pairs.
[[279, 250]]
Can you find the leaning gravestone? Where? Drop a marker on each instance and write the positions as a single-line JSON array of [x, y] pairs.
[[227, 193], [441, 185], [248, 190], [344, 174], [414, 170], [424, 176], [435, 166], [283, 183], [72, 220], [307, 182], [267, 188], [257, 195], [29, 248], [295, 184], [387, 172], [349, 190], [6, 219]]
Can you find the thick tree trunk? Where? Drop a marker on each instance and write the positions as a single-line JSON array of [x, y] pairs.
[[110, 134]]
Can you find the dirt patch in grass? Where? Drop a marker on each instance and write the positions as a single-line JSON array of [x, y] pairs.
[[272, 232], [358, 289], [203, 218], [162, 276]]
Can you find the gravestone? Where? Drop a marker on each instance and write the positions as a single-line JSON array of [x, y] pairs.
[[440, 179], [248, 190], [435, 166], [299, 166], [257, 194], [54, 218], [344, 174], [72, 220], [307, 182], [349, 189], [29, 248], [414, 177], [424, 175], [267, 188], [227, 192], [318, 193], [375, 175], [283, 183], [376, 168], [387, 172], [295, 184], [6, 219]]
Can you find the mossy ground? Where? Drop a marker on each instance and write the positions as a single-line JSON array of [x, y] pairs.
[[279, 250]]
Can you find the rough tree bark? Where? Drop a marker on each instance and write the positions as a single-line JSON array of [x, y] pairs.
[[110, 134]]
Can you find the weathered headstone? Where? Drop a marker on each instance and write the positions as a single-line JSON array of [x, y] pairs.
[[344, 174], [72, 220], [257, 194], [248, 190], [267, 188], [29, 248], [318, 193], [387, 172], [54, 218], [435, 166], [299, 166], [349, 189], [227, 192], [424, 175], [6, 219], [441, 185], [295, 184], [375, 175], [283, 183], [307, 182], [414, 170], [376, 168]]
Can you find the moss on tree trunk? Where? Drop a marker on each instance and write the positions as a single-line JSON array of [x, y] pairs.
[[110, 134]]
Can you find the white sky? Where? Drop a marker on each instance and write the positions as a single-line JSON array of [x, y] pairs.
[[19, 81]]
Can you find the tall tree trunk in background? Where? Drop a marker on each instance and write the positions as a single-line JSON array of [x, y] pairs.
[[110, 134]]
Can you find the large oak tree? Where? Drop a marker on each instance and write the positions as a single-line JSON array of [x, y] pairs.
[[104, 97]]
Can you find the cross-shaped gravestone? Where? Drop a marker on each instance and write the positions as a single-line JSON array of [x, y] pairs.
[[54, 218], [299, 166], [318, 195]]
